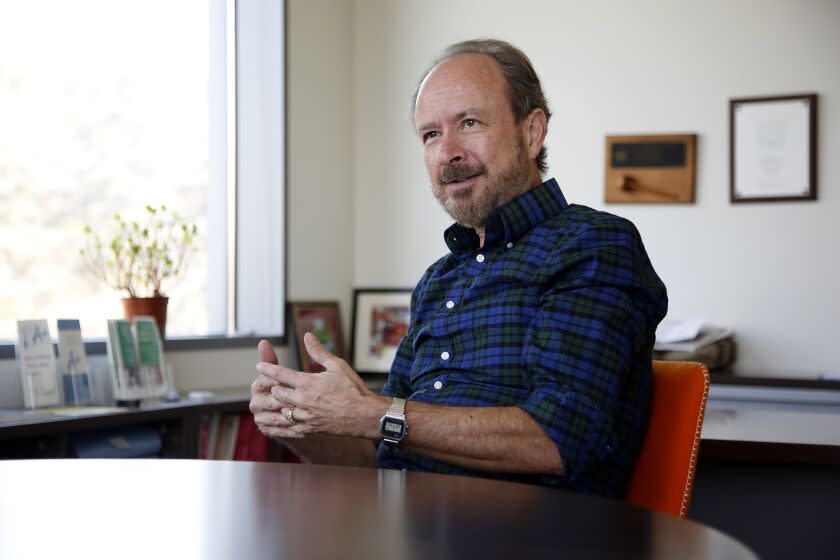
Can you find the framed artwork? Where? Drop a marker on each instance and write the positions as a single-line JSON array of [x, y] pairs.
[[773, 148], [380, 320], [321, 318]]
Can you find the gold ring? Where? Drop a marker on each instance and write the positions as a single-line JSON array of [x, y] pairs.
[[291, 415]]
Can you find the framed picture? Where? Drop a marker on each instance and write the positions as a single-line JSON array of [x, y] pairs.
[[380, 320], [321, 318], [773, 148]]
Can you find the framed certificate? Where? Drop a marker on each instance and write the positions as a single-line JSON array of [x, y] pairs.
[[773, 148]]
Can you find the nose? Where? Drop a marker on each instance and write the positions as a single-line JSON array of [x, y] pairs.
[[450, 149]]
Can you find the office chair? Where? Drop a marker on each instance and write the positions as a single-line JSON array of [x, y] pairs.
[[664, 473]]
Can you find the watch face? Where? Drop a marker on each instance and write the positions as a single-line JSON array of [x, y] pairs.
[[392, 427]]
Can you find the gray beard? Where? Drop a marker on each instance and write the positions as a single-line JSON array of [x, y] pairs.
[[501, 188]]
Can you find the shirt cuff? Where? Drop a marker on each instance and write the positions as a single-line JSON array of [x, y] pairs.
[[582, 433]]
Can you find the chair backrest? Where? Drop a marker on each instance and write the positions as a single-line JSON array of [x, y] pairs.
[[664, 473]]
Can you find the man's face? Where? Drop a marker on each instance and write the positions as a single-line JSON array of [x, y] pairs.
[[475, 153]]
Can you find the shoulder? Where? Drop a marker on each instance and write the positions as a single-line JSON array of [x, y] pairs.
[[596, 246], [586, 222], [578, 231]]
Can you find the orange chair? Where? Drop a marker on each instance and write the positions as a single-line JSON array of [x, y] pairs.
[[664, 473]]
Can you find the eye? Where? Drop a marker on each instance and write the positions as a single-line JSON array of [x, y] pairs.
[[469, 123], [430, 135]]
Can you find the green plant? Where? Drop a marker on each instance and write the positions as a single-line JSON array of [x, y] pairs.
[[140, 256]]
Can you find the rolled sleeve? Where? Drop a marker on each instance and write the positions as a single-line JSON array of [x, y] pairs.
[[579, 349]]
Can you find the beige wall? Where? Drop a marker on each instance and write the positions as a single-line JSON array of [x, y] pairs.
[[770, 271]]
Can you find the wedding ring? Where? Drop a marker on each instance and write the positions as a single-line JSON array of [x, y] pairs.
[[291, 415]]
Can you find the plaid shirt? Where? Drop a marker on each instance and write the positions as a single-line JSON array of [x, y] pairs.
[[556, 314]]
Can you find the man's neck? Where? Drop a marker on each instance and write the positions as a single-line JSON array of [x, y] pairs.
[[535, 180]]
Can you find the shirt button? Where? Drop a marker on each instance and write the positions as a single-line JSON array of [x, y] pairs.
[[444, 356], [509, 245], [438, 385], [480, 258], [450, 304]]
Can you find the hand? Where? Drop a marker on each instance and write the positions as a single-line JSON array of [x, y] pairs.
[[268, 415], [334, 401]]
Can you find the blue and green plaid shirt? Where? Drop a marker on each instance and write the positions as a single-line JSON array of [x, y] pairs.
[[556, 314]]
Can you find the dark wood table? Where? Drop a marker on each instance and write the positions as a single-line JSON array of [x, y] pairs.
[[214, 509]]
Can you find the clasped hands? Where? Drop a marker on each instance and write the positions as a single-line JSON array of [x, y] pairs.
[[291, 404]]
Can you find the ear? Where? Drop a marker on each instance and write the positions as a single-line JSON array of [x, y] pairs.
[[535, 126]]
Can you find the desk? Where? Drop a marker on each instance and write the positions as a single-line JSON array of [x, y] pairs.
[[216, 509]]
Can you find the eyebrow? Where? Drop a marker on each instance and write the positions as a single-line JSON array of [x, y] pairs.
[[460, 115]]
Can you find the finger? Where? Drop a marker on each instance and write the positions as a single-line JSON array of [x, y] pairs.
[[285, 396], [272, 420], [282, 374], [264, 403], [267, 353], [317, 351], [263, 384], [278, 425], [299, 415], [283, 433]]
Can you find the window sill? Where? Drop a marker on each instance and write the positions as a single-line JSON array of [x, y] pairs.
[[95, 347]]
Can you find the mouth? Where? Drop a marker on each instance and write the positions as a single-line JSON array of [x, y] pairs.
[[463, 182]]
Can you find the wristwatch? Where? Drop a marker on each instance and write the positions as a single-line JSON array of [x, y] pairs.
[[393, 426]]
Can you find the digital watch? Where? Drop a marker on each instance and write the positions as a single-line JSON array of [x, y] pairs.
[[393, 426]]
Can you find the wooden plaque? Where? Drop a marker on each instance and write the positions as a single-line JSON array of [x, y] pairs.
[[650, 168]]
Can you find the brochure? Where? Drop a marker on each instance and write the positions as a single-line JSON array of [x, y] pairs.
[[122, 357], [37, 364], [150, 356], [73, 362]]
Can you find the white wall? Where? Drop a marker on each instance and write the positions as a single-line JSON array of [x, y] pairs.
[[767, 270]]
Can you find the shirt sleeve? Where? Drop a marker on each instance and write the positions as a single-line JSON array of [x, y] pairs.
[[602, 308], [399, 379]]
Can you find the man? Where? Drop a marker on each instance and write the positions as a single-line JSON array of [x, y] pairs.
[[528, 355]]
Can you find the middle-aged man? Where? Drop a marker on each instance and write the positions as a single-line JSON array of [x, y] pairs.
[[528, 355]]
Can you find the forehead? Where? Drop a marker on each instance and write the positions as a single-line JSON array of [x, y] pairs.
[[458, 83]]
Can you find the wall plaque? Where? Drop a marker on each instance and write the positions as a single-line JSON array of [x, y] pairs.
[[652, 168]]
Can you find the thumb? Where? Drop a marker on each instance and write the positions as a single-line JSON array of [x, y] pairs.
[[316, 350], [267, 353]]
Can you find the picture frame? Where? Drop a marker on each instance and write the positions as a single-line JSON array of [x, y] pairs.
[[380, 319], [773, 148], [323, 320]]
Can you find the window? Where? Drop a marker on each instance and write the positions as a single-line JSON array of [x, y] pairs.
[[108, 106]]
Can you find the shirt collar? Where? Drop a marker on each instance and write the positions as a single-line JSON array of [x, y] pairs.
[[512, 220]]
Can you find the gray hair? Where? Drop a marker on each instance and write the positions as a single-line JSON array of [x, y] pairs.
[[524, 88]]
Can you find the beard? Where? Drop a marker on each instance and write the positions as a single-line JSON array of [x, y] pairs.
[[502, 187]]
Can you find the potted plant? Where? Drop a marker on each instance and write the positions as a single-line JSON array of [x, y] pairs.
[[139, 257]]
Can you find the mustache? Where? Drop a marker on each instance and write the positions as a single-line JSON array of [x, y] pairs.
[[458, 172]]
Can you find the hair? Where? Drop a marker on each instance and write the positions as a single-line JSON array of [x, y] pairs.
[[524, 89]]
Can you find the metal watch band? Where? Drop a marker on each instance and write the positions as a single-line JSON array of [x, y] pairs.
[[397, 407]]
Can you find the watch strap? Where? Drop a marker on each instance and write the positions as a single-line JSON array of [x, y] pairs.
[[397, 407]]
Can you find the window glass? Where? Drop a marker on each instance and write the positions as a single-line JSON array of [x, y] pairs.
[[103, 109]]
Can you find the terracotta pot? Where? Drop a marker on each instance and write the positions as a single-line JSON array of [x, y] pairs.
[[148, 306]]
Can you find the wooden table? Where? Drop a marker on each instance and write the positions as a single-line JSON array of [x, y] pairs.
[[214, 509]]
